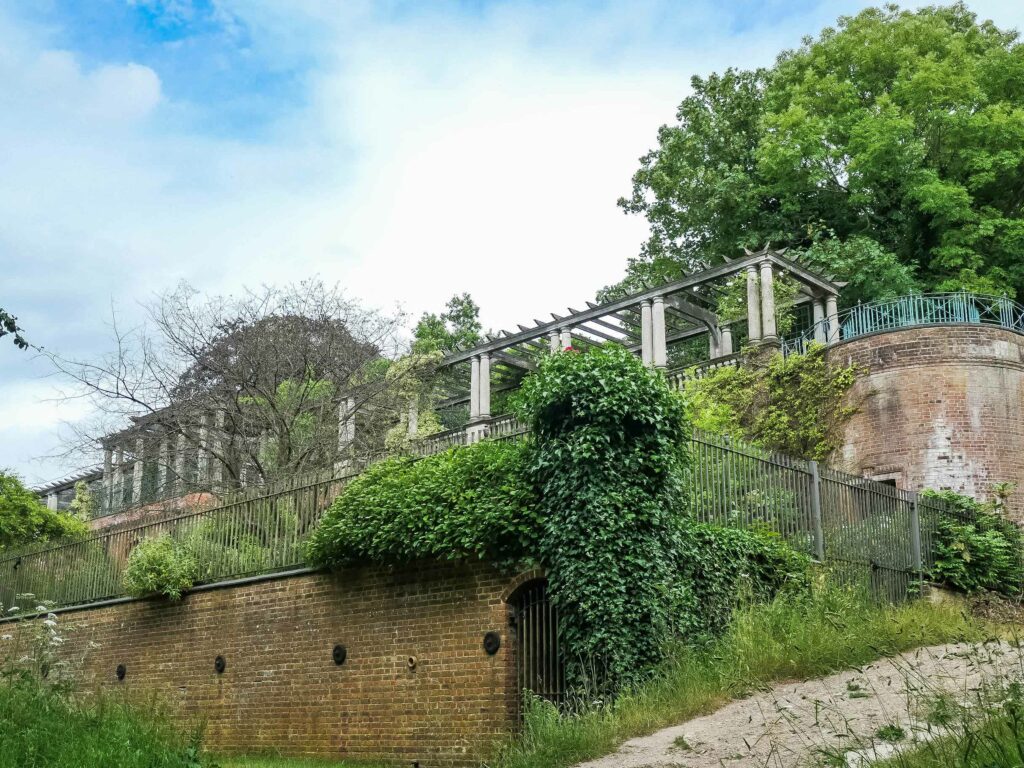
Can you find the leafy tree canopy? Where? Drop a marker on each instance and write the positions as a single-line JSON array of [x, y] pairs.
[[899, 132], [25, 519], [459, 325]]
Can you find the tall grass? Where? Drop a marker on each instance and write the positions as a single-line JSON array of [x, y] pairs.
[[793, 637], [43, 727]]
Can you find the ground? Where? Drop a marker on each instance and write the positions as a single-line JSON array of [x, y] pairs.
[[861, 715]]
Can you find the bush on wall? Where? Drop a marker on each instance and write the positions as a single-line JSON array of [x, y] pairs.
[[609, 447], [471, 503], [160, 566], [976, 548]]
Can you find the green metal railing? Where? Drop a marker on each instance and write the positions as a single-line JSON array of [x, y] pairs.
[[915, 310], [841, 518]]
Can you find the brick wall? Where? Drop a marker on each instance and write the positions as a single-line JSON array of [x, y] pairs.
[[281, 690], [940, 408]]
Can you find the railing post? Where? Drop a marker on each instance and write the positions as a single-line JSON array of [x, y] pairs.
[[915, 536], [819, 529]]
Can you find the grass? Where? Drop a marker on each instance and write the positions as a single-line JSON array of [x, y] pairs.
[[44, 728], [284, 762], [997, 743], [794, 637]]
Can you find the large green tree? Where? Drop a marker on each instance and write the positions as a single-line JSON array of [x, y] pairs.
[[898, 135]]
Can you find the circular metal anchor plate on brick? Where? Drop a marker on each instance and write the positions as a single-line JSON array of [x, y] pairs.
[[411, 662], [220, 665], [339, 654], [492, 643], [121, 671]]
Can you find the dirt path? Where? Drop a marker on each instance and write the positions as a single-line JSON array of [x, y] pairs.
[[798, 724]]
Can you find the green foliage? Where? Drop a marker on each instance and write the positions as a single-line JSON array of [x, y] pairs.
[[458, 325], [160, 566], [902, 127], [469, 503], [976, 548], [83, 506], [45, 728], [794, 404], [871, 272], [609, 446], [25, 519], [798, 635], [732, 302]]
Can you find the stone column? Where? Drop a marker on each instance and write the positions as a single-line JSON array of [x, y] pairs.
[[108, 479], [346, 434], [203, 459], [140, 465], [51, 500], [565, 338], [768, 329], [179, 466], [726, 348], [554, 341], [161, 468], [474, 389], [820, 331], [646, 332], [118, 495], [484, 398], [413, 423], [832, 315], [714, 350], [659, 354], [216, 456], [753, 306]]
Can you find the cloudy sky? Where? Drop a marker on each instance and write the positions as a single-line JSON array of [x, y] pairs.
[[406, 150]]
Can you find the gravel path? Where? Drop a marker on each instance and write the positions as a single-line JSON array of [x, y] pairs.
[[798, 724]]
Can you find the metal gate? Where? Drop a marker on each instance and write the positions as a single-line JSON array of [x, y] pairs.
[[539, 665]]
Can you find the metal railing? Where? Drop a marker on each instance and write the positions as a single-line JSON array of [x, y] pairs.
[[912, 311], [836, 517]]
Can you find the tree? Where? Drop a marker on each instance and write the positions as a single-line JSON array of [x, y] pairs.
[[902, 128], [257, 382], [458, 325], [25, 519], [9, 325]]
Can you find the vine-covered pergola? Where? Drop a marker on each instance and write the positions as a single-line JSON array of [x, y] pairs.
[[650, 322]]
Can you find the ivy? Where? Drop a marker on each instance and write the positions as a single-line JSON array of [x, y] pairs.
[[976, 548], [609, 448], [795, 404], [470, 503]]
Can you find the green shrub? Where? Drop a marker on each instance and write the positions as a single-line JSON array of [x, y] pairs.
[[470, 503], [976, 548], [24, 519], [607, 460], [160, 566]]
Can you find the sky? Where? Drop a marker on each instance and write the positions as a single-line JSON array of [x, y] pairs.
[[407, 151]]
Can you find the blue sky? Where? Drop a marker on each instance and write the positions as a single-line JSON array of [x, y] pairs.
[[407, 150]]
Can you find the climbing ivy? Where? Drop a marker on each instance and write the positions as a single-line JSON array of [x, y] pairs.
[[609, 447], [795, 404]]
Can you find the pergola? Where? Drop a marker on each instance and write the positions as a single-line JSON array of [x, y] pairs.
[[649, 323]]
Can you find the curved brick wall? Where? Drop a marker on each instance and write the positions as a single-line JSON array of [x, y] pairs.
[[939, 407]]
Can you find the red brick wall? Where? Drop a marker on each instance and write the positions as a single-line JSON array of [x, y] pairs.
[[940, 408], [282, 692]]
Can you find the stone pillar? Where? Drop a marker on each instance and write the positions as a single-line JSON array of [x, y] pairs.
[[646, 332], [117, 501], [108, 479], [753, 306], [726, 348], [553, 341], [714, 350], [413, 423], [474, 388], [820, 330], [51, 500], [217, 455], [659, 354], [565, 338], [140, 465], [768, 329], [484, 398], [346, 435], [179, 466], [161, 468], [832, 315], [203, 459]]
